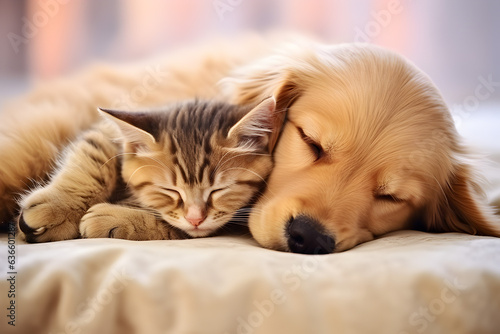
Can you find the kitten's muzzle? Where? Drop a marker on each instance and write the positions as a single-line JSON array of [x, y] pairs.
[[305, 236], [195, 215]]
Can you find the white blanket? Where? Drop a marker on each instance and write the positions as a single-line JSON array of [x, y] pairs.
[[406, 282]]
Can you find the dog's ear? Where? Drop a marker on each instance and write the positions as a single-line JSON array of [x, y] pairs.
[[267, 77], [462, 208]]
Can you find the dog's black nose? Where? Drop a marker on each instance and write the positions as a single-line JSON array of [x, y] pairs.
[[305, 236]]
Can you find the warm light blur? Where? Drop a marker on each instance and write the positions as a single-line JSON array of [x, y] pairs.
[[454, 41]]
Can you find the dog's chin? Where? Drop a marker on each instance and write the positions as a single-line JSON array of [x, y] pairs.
[[362, 236]]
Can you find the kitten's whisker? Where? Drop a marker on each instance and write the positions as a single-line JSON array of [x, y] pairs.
[[218, 163], [254, 210], [235, 224], [114, 157], [251, 171], [240, 218], [238, 215], [138, 169], [248, 170], [130, 153], [222, 163], [161, 163], [240, 222], [237, 212], [240, 155], [261, 194]]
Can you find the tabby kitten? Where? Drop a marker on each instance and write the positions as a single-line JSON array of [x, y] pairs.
[[182, 172]]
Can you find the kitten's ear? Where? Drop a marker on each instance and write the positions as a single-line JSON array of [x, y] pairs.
[[136, 127], [284, 85], [255, 129]]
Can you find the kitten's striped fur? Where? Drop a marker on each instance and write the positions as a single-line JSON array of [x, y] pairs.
[[192, 165]]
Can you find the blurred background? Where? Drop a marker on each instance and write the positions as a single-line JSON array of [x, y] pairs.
[[457, 42]]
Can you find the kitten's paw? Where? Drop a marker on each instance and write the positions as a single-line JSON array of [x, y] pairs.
[[115, 221], [48, 215]]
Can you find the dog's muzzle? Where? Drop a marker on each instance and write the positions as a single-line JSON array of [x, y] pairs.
[[305, 236]]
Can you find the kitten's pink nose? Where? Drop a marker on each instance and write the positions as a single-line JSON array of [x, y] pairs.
[[195, 221], [195, 215]]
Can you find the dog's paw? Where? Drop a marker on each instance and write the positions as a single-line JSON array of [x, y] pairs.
[[115, 221], [48, 215]]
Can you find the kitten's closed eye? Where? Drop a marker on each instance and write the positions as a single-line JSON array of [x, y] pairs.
[[172, 196], [215, 191], [171, 191], [214, 195]]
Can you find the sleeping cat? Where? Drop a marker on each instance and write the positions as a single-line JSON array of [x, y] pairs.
[[177, 173]]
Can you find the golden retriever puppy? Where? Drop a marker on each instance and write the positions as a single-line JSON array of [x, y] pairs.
[[368, 147]]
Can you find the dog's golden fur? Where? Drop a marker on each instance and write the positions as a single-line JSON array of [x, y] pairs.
[[368, 146]]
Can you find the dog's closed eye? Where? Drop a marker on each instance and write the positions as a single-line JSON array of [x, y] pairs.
[[388, 198], [315, 147]]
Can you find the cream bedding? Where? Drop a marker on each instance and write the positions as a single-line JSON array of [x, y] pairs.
[[406, 282]]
